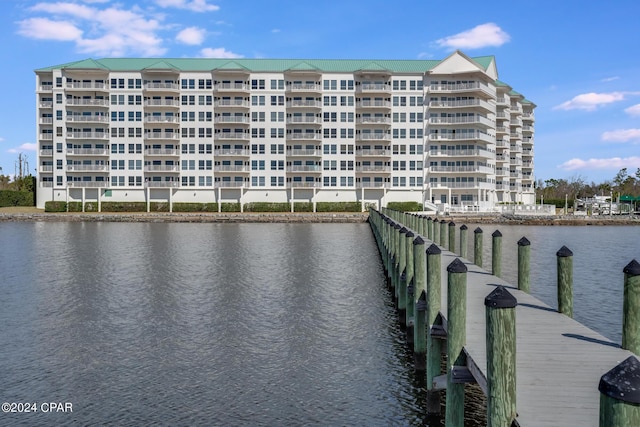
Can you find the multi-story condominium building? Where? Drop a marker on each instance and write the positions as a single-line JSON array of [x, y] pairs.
[[439, 132]]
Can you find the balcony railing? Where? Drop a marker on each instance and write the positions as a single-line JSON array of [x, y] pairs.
[[46, 153], [474, 152], [462, 87], [232, 103], [231, 152], [373, 168], [88, 184], [87, 119], [373, 184], [46, 168], [161, 86], [85, 85], [46, 136], [161, 135], [223, 136], [474, 184], [162, 119], [232, 119], [461, 120], [46, 120], [231, 87], [373, 87], [162, 103], [304, 168], [373, 136], [230, 184], [374, 120], [304, 87], [303, 120], [373, 104], [373, 152], [161, 168], [456, 169], [161, 152], [87, 135], [461, 104], [303, 184], [87, 152], [46, 104], [162, 184], [459, 136], [304, 136], [304, 103], [87, 168], [231, 168], [303, 152], [88, 102]]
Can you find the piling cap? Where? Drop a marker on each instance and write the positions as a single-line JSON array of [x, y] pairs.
[[403, 276], [452, 224], [429, 218], [500, 297], [478, 230], [433, 250], [524, 242], [397, 226], [403, 230], [457, 266], [410, 233], [442, 221], [564, 252], [410, 288], [464, 227], [418, 241], [496, 233], [632, 269], [421, 305], [623, 382]]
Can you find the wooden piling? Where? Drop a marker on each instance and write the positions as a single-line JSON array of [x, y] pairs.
[[443, 233], [524, 265], [410, 289], [456, 339], [430, 229], [420, 304], [463, 241], [436, 231], [434, 344], [477, 247], [452, 237], [620, 395], [401, 291], [631, 308], [565, 281], [496, 253], [501, 357]]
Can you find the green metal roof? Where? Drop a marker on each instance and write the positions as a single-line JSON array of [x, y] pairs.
[[259, 65]]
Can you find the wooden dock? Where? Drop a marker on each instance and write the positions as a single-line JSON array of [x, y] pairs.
[[559, 362]]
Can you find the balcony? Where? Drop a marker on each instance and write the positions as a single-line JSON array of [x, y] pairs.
[[304, 120], [373, 87], [304, 87], [374, 120], [477, 87], [232, 87], [87, 168], [45, 168], [86, 86], [46, 184], [376, 103], [462, 136], [374, 168], [161, 135], [304, 136], [458, 169], [232, 119], [87, 152], [161, 168], [466, 103], [474, 152], [232, 103], [461, 185], [231, 152], [304, 153], [373, 152], [230, 136], [87, 135], [304, 103], [162, 184], [46, 104], [82, 102], [373, 136], [46, 153], [231, 168], [230, 184], [46, 120], [45, 88], [161, 119], [87, 119], [162, 103], [373, 184], [163, 87], [304, 168], [304, 184], [477, 120], [46, 136], [161, 152], [88, 184]]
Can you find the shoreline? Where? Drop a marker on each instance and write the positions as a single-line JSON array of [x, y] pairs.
[[33, 215]]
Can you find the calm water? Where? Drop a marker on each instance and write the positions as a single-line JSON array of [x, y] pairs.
[[239, 324], [599, 255], [201, 324]]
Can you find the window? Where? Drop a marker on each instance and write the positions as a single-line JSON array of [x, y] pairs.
[[257, 84]]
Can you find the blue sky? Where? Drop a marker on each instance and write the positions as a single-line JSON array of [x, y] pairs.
[[577, 60]]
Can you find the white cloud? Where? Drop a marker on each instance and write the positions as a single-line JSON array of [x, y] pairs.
[[191, 36], [193, 5], [1, 139], [622, 135], [275, 30], [634, 110], [424, 55], [112, 31], [46, 29], [27, 146], [218, 52], [591, 101], [614, 163], [609, 79], [483, 35]]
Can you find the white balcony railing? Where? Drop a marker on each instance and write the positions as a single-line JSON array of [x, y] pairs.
[[88, 102], [161, 135], [231, 168], [87, 168], [231, 152], [88, 135], [161, 168], [303, 120], [162, 119], [87, 152], [303, 152], [304, 136], [232, 119], [85, 85], [304, 168], [304, 103], [373, 152], [162, 103], [231, 87], [232, 103], [161, 152], [161, 86]]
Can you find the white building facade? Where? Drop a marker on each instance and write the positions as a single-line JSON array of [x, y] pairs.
[[443, 133]]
